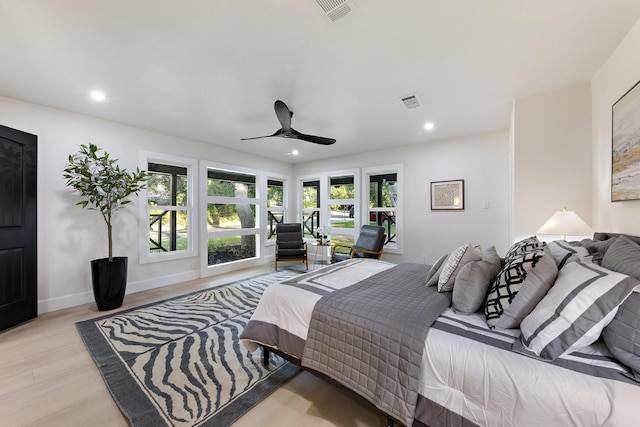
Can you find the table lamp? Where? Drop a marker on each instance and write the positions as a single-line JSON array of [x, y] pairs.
[[565, 223]]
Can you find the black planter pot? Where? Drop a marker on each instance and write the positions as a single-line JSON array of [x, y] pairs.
[[109, 282]]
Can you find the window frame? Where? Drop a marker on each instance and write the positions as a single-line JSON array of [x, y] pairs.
[[300, 211], [259, 202], [364, 215], [355, 174], [145, 256], [285, 203], [324, 200]]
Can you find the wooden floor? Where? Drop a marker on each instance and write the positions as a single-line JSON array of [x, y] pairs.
[[47, 378]]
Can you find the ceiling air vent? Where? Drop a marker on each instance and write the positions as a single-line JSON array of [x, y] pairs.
[[336, 9], [411, 101]]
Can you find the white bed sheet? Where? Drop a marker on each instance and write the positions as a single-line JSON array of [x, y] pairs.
[[494, 387]]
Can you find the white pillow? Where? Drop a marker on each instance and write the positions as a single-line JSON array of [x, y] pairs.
[[583, 300]]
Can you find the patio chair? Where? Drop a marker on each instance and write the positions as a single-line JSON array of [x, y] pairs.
[[369, 245], [290, 245]]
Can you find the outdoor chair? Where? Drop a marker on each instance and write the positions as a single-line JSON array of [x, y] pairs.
[[289, 244], [369, 245]]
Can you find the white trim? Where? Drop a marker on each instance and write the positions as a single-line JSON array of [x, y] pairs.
[[53, 304], [286, 180], [379, 170], [357, 188], [259, 201], [145, 256]]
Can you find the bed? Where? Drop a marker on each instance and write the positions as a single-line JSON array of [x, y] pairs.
[[377, 329]]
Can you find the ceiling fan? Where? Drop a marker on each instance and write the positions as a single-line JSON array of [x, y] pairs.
[[286, 131]]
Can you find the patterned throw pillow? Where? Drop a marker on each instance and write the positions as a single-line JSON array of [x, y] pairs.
[[581, 303], [523, 245], [456, 260], [534, 287], [532, 273]]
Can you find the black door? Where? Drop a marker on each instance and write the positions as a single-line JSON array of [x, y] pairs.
[[18, 261]]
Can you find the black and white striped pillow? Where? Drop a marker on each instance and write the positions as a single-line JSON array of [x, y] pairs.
[[583, 300]]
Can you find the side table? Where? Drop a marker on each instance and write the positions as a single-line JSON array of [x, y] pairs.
[[322, 253]]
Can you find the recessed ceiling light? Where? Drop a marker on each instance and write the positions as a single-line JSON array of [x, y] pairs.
[[295, 153], [96, 95], [429, 126]]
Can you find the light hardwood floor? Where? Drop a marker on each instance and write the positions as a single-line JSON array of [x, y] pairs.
[[47, 378]]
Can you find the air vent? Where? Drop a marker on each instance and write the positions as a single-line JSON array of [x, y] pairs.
[[411, 101], [336, 9]]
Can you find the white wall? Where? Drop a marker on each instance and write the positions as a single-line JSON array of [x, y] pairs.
[[68, 236], [481, 160], [619, 73], [551, 135]]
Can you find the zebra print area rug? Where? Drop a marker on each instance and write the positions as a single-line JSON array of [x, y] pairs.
[[179, 362]]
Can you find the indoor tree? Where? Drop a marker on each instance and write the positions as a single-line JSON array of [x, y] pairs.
[[102, 184]]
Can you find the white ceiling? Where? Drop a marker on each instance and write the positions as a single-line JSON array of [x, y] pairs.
[[210, 70]]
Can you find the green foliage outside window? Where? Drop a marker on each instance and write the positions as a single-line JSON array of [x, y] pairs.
[[218, 213], [386, 195], [275, 196]]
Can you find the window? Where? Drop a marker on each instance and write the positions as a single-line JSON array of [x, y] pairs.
[[275, 206], [384, 203], [231, 215], [167, 208], [342, 207], [167, 199], [310, 208]]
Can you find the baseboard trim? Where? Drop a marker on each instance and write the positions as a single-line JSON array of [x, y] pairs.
[[54, 304]]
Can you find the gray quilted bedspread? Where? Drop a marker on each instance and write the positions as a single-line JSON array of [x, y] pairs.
[[370, 337]]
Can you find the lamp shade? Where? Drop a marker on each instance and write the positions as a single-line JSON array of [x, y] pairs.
[[566, 223]]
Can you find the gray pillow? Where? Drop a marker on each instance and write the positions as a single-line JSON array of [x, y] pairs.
[[622, 335], [623, 256], [597, 248], [597, 245], [434, 272], [473, 280], [537, 283], [455, 261]]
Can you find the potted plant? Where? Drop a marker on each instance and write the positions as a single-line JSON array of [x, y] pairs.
[[105, 187]]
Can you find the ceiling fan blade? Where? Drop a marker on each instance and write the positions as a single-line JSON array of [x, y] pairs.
[[315, 139], [255, 137], [284, 115], [278, 133]]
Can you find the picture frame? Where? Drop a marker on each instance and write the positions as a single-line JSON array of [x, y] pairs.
[[447, 195], [625, 146]]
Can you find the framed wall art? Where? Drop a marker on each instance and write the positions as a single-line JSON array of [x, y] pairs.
[[447, 195], [625, 146]]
